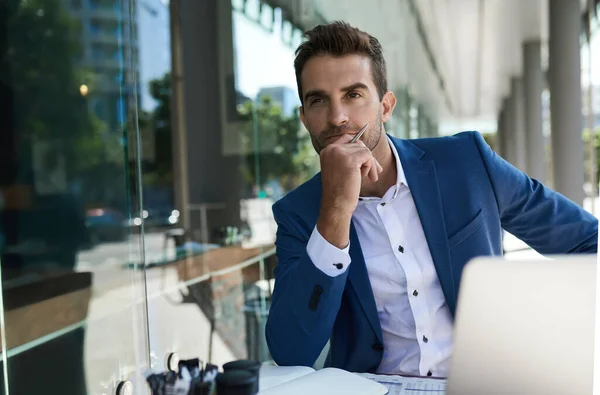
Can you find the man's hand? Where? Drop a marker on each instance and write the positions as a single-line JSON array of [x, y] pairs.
[[343, 166]]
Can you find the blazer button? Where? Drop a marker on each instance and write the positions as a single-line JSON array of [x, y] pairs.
[[377, 347]]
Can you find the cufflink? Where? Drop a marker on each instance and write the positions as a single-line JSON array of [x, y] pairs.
[[339, 266]]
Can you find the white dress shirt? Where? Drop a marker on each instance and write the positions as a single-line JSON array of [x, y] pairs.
[[415, 320]]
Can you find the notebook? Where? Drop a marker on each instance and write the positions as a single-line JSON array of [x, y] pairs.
[[301, 380]]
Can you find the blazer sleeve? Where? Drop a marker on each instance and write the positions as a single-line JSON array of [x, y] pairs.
[[305, 300], [544, 219]]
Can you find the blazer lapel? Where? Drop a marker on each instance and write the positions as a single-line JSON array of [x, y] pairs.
[[359, 280], [422, 179]]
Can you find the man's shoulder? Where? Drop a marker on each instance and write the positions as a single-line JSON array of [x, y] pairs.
[[466, 137], [452, 146]]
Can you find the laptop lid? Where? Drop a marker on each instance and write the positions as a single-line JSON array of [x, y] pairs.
[[525, 327]]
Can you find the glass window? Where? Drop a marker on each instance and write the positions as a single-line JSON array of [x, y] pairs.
[[73, 297]]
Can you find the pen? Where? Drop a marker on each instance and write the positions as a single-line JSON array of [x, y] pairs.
[[360, 133]]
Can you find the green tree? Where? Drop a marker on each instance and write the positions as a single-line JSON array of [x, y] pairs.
[[290, 161], [51, 103], [285, 153], [586, 139]]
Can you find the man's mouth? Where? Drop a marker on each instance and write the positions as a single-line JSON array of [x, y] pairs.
[[337, 136]]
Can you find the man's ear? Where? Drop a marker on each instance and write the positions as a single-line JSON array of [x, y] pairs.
[[389, 103], [302, 116]]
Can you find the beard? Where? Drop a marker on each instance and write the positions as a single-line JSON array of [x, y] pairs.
[[370, 138]]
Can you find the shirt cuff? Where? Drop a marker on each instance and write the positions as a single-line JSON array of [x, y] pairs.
[[327, 257]]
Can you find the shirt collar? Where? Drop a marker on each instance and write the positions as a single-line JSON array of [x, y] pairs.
[[400, 178]]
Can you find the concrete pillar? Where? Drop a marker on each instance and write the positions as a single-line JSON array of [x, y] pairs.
[[508, 147], [519, 114], [565, 98], [204, 172], [434, 129], [533, 85], [178, 136], [411, 122], [516, 125], [422, 123], [501, 132], [505, 127], [402, 111]]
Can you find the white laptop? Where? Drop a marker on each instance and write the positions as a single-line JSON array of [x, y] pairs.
[[525, 327]]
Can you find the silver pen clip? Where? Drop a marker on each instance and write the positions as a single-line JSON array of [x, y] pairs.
[[360, 133]]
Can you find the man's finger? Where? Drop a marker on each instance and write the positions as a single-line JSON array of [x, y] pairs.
[[365, 170], [373, 171]]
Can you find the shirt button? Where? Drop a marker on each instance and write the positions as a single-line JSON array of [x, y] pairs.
[[339, 266], [415, 293], [401, 249], [425, 339], [382, 204], [429, 373]]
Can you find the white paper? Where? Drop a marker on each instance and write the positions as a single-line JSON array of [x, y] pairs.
[[328, 381], [272, 376], [399, 385]]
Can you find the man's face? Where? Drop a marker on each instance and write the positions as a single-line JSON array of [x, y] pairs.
[[340, 97]]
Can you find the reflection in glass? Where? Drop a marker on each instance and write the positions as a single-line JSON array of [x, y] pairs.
[[68, 193]]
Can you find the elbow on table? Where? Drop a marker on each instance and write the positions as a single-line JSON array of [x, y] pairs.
[[289, 351]]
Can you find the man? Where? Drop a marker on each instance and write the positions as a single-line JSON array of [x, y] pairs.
[[371, 250]]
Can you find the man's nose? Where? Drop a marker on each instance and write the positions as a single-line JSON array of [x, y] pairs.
[[337, 114]]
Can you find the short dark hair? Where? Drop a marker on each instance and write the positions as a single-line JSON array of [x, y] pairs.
[[338, 39]]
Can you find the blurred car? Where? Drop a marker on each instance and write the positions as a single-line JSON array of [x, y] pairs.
[[106, 224]]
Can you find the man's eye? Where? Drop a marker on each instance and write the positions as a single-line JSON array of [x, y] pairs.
[[354, 95], [316, 101]]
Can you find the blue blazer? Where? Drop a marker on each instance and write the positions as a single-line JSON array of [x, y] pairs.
[[465, 195]]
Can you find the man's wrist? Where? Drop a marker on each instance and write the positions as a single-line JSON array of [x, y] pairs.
[[334, 226]]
